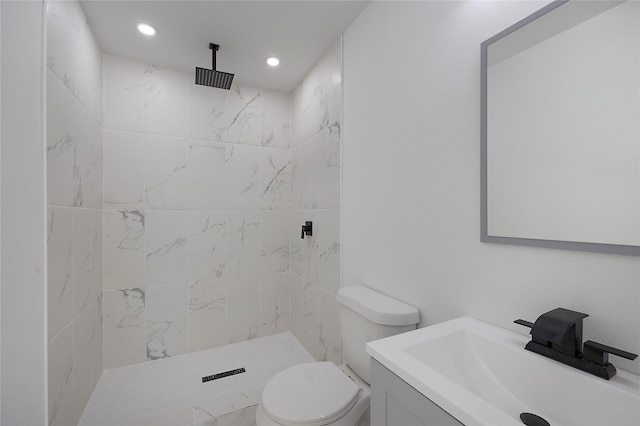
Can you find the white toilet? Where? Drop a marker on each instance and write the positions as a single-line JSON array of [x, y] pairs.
[[321, 393]]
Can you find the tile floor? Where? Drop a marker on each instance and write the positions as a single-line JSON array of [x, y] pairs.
[[170, 391]]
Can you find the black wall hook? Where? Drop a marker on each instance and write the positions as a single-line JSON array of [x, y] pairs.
[[307, 229]]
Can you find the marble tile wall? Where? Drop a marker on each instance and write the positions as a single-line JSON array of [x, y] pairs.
[[74, 198], [197, 190], [174, 214], [315, 196]]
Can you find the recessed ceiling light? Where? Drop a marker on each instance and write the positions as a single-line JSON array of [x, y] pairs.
[[146, 29], [273, 61]]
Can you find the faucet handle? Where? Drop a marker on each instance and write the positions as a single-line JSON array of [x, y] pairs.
[[307, 229], [523, 322], [599, 353]]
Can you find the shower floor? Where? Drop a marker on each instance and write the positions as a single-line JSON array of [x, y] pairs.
[[171, 392]]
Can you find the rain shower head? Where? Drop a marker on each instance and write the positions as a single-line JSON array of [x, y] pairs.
[[213, 78]]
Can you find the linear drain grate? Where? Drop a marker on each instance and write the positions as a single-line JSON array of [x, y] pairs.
[[223, 374]]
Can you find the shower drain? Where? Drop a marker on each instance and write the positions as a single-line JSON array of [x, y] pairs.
[[223, 374]]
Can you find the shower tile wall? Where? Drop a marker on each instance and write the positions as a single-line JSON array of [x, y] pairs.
[[315, 196], [196, 213], [74, 188]]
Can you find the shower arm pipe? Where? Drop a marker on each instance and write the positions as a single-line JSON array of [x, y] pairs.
[[214, 48]]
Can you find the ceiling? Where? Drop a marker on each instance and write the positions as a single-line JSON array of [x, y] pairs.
[[297, 32]]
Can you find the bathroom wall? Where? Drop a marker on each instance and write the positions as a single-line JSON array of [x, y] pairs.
[[315, 196], [74, 198], [23, 381], [411, 188], [196, 213]]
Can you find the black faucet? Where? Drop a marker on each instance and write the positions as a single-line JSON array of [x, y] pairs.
[[557, 334]]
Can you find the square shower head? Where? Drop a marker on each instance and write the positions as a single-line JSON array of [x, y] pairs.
[[213, 78]]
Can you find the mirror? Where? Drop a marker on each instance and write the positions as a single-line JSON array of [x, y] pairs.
[[561, 129]]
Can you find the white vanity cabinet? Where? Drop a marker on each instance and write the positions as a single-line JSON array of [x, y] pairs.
[[394, 402]]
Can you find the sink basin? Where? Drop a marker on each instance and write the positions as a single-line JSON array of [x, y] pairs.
[[482, 375]]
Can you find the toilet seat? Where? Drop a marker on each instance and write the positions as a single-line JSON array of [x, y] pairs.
[[312, 394]]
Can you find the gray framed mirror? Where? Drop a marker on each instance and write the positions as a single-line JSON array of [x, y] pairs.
[[560, 132]]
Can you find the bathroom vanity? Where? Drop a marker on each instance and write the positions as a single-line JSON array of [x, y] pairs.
[[395, 402], [466, 371]]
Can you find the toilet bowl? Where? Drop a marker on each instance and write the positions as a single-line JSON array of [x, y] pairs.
[[322, 393], [314, 394]]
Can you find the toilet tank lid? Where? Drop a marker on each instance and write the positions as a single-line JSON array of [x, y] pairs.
[[377, 307]]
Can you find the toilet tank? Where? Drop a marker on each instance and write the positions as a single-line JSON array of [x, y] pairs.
[[367, 315]]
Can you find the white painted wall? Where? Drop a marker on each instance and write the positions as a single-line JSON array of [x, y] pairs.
[[411, 182], [24, 310], [0, 216]]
